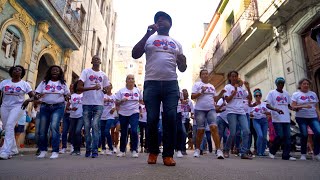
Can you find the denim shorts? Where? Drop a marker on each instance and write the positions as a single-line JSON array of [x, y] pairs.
[[204, 118]]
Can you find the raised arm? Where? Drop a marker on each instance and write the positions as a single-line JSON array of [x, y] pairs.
[[138, 49]]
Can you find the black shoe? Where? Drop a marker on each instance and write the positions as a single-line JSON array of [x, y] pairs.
[[184, 153], [38, 152], [88, 153], [201, 152], [94, 155], [246, 156]]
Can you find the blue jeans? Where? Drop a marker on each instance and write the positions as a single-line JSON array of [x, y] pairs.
[[194, 135], [50, 114], [206, 139], [282, 139], [65, 131], [37, 133], [76, 125], [105, 126], [222, 126], [133, 120], [314, 124], [91, 118], [160, 134], [233, 119], [143, 132], [261, 127], [154, 93], [181, 137], [250, 134]]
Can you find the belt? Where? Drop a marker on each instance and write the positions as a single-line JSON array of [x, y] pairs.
[[57, 104]]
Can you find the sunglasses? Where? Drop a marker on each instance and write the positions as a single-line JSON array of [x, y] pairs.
[[257, 96]]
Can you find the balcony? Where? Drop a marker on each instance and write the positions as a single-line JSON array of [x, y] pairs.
[[246, 35], [65, 22]]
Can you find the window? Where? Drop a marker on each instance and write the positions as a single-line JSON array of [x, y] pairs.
[[93, 42], [98, 52], [230, 21]]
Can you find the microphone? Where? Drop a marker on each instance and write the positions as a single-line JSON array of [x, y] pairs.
[[150, 29]]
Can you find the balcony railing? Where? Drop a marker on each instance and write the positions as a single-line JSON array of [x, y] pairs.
[[222, 47], [70, 16]]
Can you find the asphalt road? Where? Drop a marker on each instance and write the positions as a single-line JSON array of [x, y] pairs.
[[206, 167]]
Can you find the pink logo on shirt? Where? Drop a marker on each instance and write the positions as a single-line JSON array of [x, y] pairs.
[[12, 89], [281, 99], [95, 78], [166, 44], [77, 99], [307, 98], [53, 88], [256, 109]]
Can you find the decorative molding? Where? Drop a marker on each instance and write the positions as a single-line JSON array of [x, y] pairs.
[[282, 30], [2, 3], [22, 15], [52, 44], [43, 28]]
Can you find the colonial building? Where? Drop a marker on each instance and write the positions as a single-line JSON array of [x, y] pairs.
[[263, 40], [40, 33]]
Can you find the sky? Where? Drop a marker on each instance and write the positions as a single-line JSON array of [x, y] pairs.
[[188, 16]]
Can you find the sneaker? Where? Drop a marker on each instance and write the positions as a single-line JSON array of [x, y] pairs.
[[42, 154], [108, 152], [196, 153], [99, 149], [317, 157], [88, 153], [219, 154], [226, 154], [303, 157], [103, 152], [94, 155], [121, 154], [71, 148], [54, 155], [179, 154], [4, 156], [115, 150], [75, 153], [246, 156], [292, 159], [271, 156], [134, 154], [62, 151]]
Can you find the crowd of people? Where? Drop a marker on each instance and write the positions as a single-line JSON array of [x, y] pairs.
[[163, 115]]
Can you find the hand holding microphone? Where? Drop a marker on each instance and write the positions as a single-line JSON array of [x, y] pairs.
[[152, 29]]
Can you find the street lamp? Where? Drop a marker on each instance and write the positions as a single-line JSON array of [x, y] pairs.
[[315, 34]]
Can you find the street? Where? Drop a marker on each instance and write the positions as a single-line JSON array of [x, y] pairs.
[[111, 167]]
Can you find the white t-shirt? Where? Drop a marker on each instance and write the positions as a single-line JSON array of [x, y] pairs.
[[224, 113], [161, 54], [280, 101], [91, 78], [144, 113], [259, 111], [53, 92], [76, 101], [132, 105], [236, 105], [309, 98], [108, 105], [187, 108], [205, 102], [247, 109], [179, 108], [13, 93]]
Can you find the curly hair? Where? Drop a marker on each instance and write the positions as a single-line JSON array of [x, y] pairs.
[[229, 75], [23, 71], [48, 77]]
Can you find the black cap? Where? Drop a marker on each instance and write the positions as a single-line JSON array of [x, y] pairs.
[[162, 14]]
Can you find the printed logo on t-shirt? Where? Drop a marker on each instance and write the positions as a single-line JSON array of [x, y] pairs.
[[12, 89], [308, 98], [53, 88], [282, 100], [131, 95], [239, 94], [77, 100], [185, 107], [165, 44], [95, 78], [263, 109]]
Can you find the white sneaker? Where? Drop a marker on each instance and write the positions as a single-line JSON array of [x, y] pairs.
[[292, 159], [54, 155], [71, 148], [317, 157], [103, 152], [4, 156], [134, 154], [42, 154], [271, 156], [196, 153], [62, 151], [115, 150], [108, 152], [121, 154], [303, 157], [179, 154], [220, 154]]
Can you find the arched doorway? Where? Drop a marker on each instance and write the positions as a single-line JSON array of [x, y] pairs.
[[44, 63]]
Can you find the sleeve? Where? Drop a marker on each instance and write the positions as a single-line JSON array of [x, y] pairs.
[[269, 98], [294, 97], [118, 95], [195, 88], [28, 87], [289, 98], [67, 90], [40, 87], [1, 85], [191, 107], [83, 75], [105, 80], [228, 90], [316, 97], [180, 48], [245, 93]]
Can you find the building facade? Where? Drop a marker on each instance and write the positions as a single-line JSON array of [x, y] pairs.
[[40, 33], [263, 40]]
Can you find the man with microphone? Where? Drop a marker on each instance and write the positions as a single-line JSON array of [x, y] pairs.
[[163, 55]]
